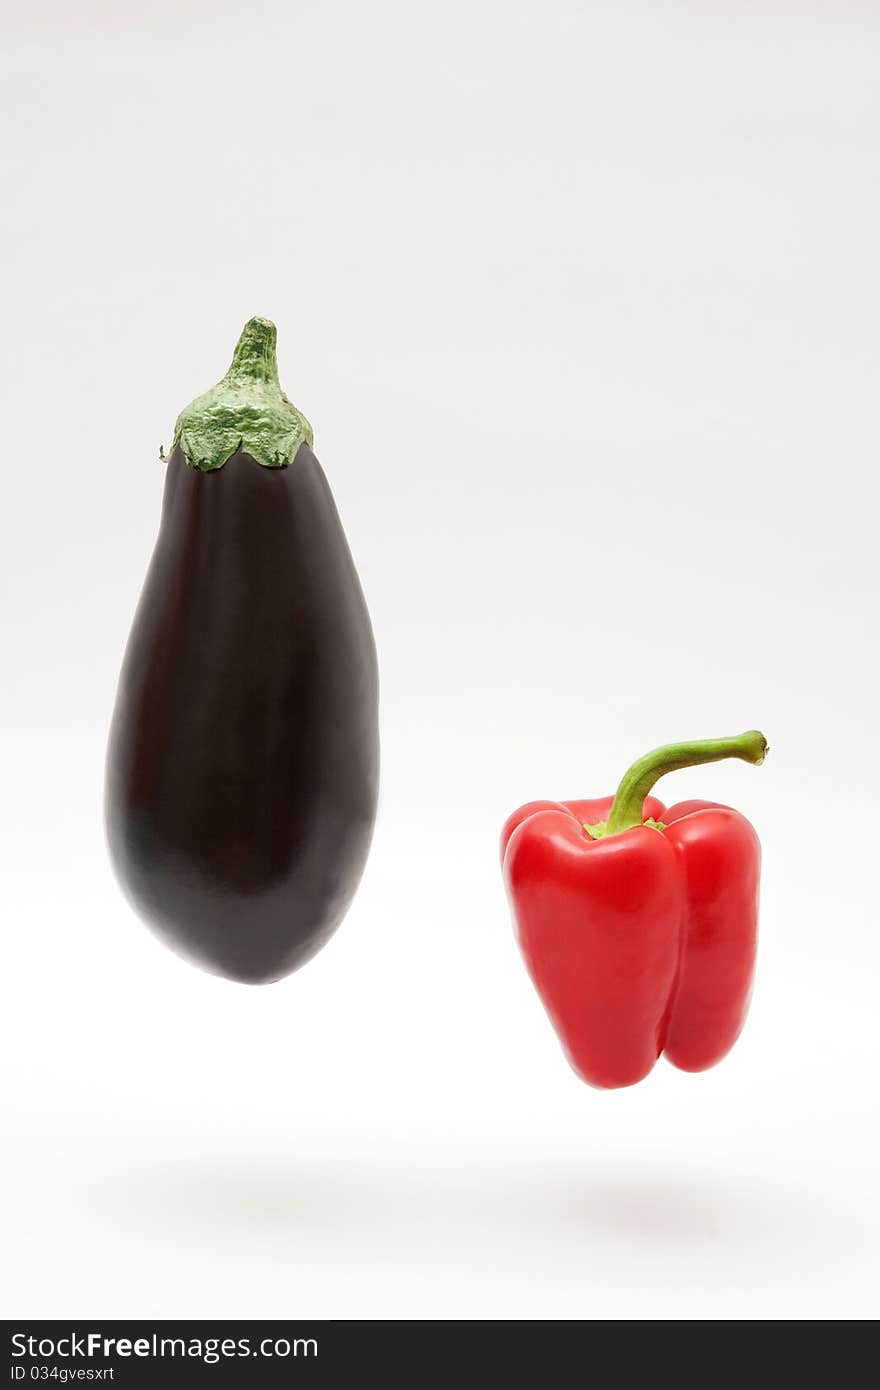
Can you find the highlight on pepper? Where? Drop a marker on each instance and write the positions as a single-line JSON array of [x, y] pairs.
[[638, 922]]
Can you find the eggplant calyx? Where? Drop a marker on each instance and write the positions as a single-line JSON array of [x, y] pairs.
[[247, 410]]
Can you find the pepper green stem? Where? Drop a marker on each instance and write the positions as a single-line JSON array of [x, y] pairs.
[[247, 410], [638, 782]]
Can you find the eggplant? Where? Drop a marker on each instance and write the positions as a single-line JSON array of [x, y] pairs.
[[243, 760]]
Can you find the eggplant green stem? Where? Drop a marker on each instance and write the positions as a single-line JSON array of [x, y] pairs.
[[246, 410], [639, 781], [254, 354]]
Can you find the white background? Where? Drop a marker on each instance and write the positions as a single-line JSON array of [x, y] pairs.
[[582, 301]]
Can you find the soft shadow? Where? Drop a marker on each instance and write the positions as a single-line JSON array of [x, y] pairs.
[[494, 1198]]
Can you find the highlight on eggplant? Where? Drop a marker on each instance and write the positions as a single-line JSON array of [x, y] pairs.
[[243, 760]]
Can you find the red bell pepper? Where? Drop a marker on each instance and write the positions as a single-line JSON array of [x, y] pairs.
[[638, 924]]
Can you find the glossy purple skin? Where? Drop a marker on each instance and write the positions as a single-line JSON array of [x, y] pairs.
[[243, 765]]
